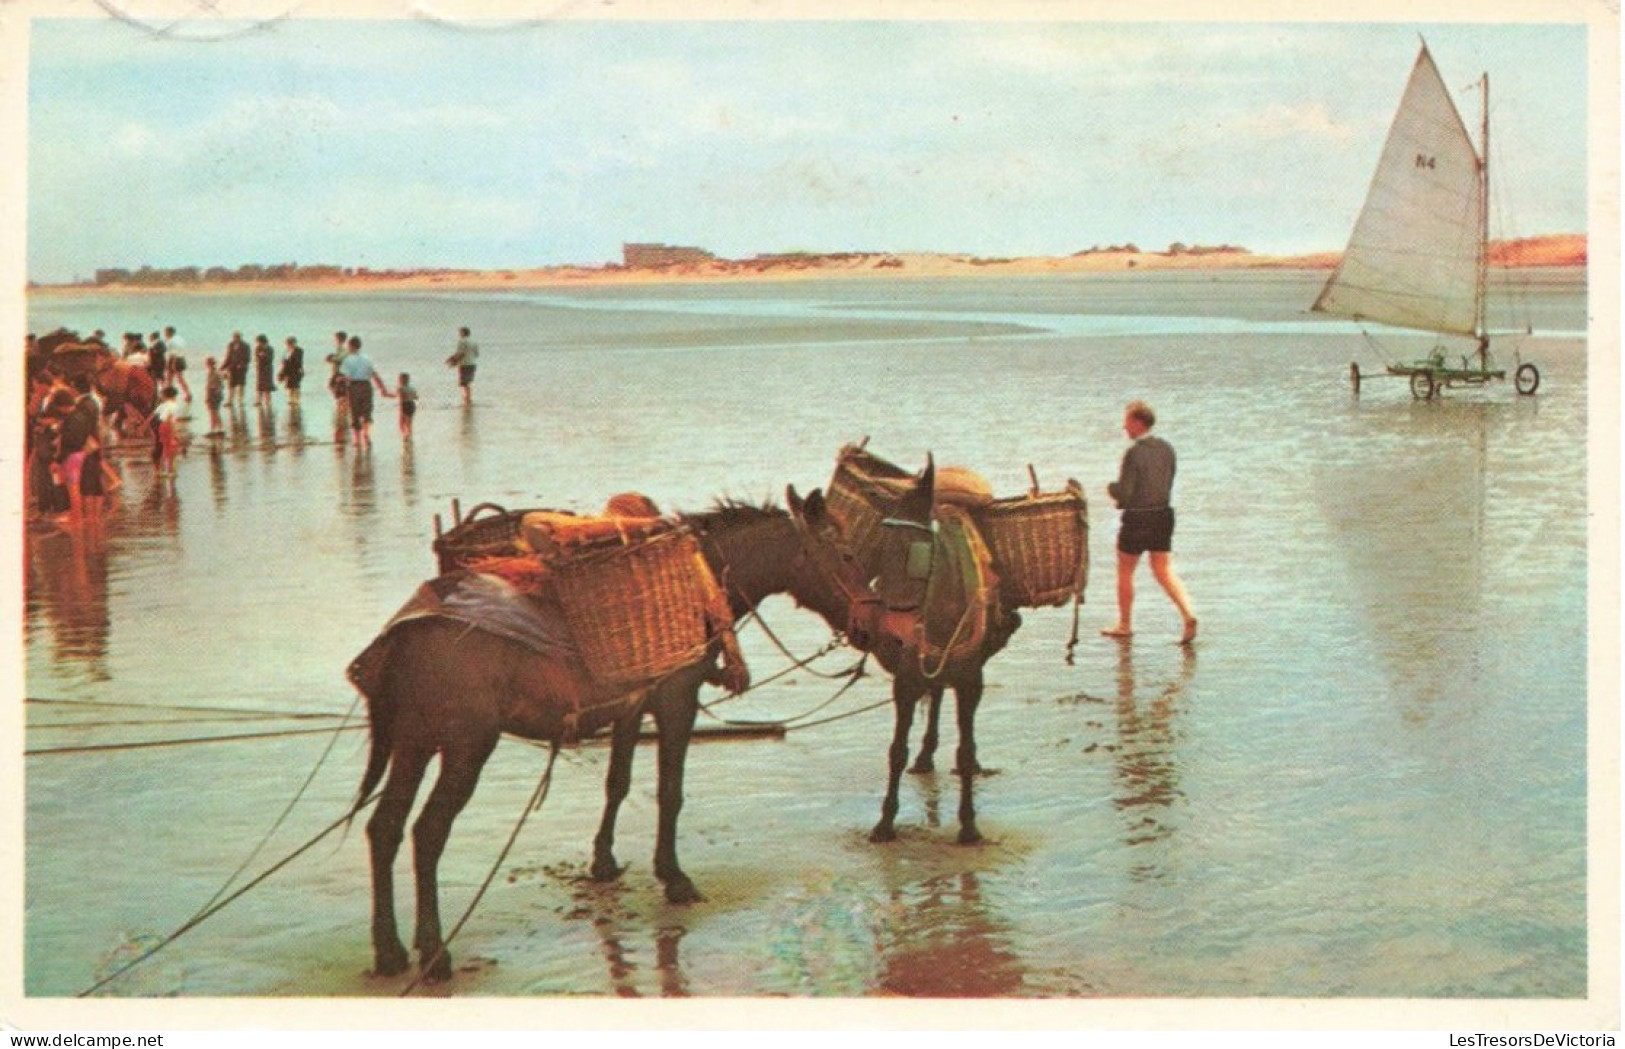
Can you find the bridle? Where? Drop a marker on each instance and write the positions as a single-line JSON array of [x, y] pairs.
[[832, 561]]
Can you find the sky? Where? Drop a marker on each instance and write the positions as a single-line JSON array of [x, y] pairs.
[[397, 144]]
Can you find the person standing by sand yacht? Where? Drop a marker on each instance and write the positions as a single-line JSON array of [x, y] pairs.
[[1143, 492], [465, 358]]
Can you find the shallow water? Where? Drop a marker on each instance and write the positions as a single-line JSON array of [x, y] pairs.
[[1366, 779]]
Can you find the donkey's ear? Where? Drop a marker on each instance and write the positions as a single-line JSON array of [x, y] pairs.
[[797, 507], [928, 476], [815, 505]]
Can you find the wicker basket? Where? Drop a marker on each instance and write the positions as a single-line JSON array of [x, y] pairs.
[[639, 611], [1040, 545], [477, 537], [861, 494]]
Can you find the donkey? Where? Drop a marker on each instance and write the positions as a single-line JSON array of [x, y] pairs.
[[436, 687], [899, 643]]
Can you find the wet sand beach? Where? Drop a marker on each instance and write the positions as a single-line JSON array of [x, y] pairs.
[[1366, 779]]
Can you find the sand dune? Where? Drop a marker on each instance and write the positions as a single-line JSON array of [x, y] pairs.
[[1550, 250]]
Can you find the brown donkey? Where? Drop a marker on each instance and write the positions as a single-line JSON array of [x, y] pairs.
[[437, 687]]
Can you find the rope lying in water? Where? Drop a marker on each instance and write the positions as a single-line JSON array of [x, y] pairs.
[[234, 711], [277, 824], [209, 912], [90, 748]]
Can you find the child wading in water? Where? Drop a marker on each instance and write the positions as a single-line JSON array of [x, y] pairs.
[[214, 394], [166, 442], [409, 403]]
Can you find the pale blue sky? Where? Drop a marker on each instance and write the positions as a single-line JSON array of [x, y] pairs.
[[395, 144]]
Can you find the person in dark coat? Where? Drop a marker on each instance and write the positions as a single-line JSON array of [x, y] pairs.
[[264, 371], [292, 372], [235, 365]]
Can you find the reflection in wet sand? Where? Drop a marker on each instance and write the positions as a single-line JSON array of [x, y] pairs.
[[1145, 770], [409, 475], [267, 423], [68, 581], [1410, 525], [620, 933], [217, 477], [296, 431], [237, 436], [158, 513], [360, 497], [945, 942], [623, 970]]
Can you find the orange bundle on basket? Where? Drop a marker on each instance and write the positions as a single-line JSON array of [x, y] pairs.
[[557, 533]]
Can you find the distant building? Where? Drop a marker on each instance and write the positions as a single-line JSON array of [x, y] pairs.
[[654, 256]]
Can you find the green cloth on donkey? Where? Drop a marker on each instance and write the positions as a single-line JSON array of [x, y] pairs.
[[961, 594]]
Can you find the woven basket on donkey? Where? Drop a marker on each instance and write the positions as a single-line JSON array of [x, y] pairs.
[[862, 492], [638, 611], [1040, 545], [478, 537]]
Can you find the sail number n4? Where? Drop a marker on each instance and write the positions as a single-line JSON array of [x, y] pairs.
[[1425, 161]]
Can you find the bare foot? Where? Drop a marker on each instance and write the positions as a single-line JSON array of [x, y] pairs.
[[1190, 632], [1119, 632]]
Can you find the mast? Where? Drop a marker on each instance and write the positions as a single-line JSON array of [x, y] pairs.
[[1484, 224]]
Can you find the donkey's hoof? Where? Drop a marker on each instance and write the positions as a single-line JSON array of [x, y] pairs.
[[882, 833], [437, 966], [970, 836], [391, 961], [681, 890], [606, 869], [923, 765]]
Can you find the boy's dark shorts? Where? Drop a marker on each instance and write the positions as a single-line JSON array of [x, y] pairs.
[[1145, 531], [465, 375]]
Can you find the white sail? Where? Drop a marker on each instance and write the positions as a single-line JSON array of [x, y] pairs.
[[1417, 251]]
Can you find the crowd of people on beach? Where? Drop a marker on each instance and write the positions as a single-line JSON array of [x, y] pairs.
[[73, 414]]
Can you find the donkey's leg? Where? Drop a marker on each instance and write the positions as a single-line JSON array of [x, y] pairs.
[[926, 760], [675, 721], [460, 766], [904, 696], [384, 832], [617, 782], [965, 760], [967, 694]]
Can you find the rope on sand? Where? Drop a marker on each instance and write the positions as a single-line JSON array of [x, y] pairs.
[[91, 748], [183, 708], [211, 911]]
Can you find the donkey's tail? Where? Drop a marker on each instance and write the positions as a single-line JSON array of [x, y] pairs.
[[367, 673]]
